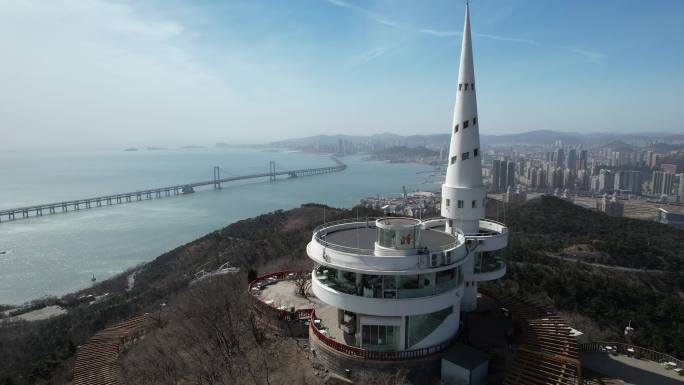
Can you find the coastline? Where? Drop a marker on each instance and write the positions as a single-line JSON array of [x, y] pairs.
[[58, 254]]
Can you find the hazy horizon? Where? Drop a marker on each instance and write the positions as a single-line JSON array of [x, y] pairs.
[[116, 74]]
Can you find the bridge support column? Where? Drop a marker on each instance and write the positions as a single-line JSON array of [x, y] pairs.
[[271, 171], [217, 177]]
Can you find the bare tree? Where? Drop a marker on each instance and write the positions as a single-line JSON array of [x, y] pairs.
[[302, 286]]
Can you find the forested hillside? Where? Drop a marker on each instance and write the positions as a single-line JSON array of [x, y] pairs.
[[604, 278], [588, 265]]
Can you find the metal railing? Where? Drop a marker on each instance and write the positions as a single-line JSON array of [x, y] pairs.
[[370, 223], [481, 234], [272, 311], [624, 349], [375, 354], [489, 264], [349, 287]]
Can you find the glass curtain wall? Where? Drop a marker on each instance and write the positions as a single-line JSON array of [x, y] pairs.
[[389, 286], [421, 326], [380, 337], [487, 261], [403, 239]]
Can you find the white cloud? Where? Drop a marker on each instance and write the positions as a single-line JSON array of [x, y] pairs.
[[366, 56], [97, 71], [590, 56]]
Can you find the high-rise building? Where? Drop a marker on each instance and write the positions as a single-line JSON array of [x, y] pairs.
[[606, 181], [662, 183], [628, 181], [668, 167], [571, 161], [653, 159], [510, 176], [496, 175], [560, 157]]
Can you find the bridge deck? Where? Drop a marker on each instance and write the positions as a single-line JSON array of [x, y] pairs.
[[127, 197]]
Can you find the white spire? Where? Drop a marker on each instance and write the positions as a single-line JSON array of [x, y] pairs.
[[465, 134], [463, 192]]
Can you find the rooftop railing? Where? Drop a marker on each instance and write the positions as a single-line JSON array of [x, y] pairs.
[[369, 222], [439, 221]]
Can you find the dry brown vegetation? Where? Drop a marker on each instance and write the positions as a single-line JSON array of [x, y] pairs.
[[211, 336]]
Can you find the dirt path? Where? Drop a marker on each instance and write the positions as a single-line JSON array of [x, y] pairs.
[[601, 266]]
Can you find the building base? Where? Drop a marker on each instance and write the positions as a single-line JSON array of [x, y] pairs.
[[359, 370]]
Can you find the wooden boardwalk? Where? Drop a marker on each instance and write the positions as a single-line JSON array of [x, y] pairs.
[[547, 353], [96, 361]]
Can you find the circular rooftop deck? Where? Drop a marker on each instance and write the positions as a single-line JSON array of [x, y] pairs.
[[363, 238], [359, 236]]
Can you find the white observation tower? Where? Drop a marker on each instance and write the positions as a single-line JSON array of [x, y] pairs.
[[395, 287]]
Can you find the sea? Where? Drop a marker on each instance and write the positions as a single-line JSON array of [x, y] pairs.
[[57, 254]]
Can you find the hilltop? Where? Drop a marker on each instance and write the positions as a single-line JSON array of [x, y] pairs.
[[561, 254]]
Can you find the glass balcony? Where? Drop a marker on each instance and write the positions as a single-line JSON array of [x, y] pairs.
[[487, 262], [389, 286]]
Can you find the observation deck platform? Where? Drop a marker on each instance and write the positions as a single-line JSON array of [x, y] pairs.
[[364, 238], [281, 295], [385, 245]]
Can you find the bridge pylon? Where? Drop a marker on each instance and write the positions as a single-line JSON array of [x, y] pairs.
[[217, 177], [271, 171]]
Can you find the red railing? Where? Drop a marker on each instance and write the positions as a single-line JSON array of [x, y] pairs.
[[299, 314], [375, 354], [272, 311]]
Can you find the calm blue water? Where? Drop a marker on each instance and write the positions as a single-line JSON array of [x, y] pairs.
[[56, 254]]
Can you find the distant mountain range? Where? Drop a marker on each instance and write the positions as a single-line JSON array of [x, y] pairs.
[[539, 137]]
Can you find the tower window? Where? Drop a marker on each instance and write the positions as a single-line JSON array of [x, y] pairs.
[[460, 204], [474, 204], [448, 202], [472, 86], [466, 86], [453, 159], [475, 121], [465, 155], [465, 124], [460, 86], [455, 128], [475, 153]]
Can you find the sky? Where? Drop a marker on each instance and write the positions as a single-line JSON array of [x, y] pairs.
[[170, 72]]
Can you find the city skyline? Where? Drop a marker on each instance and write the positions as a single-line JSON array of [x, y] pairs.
[[137, 73]]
